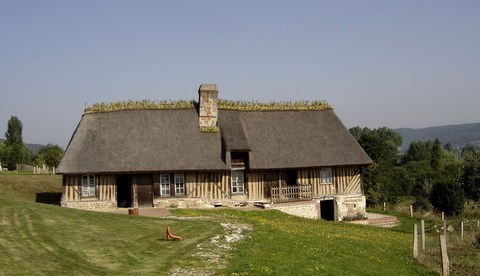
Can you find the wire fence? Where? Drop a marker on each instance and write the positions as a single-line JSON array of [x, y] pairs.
[[44, 169], [461, 236]]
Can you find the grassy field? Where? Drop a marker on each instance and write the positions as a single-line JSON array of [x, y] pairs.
[[46, 239], [286, 245], [29, 187], [464, 256]]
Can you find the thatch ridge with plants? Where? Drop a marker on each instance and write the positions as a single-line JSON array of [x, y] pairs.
[[222, 104]]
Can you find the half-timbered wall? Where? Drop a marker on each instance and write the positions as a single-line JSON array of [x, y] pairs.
[[346, 180], [71, 190], [213, 186], [105, 192], [216, 186], [257, 186], [312, 176], [106, 187]]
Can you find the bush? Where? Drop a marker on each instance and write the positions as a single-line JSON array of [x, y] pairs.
[[421, 203], [476, 242], [447, 196], [358, 216]]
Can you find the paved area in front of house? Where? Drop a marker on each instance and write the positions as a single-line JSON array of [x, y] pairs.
[[382, 220], [147, 212]]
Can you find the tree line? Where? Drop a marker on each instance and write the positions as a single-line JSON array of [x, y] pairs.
[[436, 175], [13, 151]]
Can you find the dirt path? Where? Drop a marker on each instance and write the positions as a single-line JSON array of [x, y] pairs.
[[147, 212], [210, 256]]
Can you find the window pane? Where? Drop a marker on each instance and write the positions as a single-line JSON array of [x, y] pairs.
[[179, 184], [164, 184], [88, 185], [164, 178], [237, 181], [326, 176]]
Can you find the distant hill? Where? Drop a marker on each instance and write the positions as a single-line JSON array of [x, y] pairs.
[[458, 135], [34, 148]]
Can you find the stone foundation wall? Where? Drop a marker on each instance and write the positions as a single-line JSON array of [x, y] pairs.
[[90, 205], [307, 209], [172, 202], [350, 205]]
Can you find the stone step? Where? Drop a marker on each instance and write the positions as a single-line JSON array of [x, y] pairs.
[[387, 221]]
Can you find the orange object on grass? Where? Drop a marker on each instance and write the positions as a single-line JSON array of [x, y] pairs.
[[170, 235]]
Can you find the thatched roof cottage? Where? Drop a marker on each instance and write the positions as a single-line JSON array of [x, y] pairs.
[[213, 152]]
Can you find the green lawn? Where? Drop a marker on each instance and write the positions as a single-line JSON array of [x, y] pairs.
[[46, 239], [38, 238], [29, 187], [281, 244]]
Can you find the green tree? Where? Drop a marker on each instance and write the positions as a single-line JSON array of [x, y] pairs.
[[470, 177], [418, 151], [14, 132], [447, 196], [356, 132], [436, 155], [382, 146], [2, 153], [16, 154], [49, 155], [15, 151], [469, 150]]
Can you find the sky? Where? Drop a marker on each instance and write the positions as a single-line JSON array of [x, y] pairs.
[[378, 63]]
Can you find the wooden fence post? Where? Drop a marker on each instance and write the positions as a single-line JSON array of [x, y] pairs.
[[384, 206], [445, 228], [443, 216], [461, 229], [411, 211], [422, 224], [445, 261], [415, 241]]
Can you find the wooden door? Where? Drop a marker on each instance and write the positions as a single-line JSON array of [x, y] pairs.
[[145, 190], [270, 181]]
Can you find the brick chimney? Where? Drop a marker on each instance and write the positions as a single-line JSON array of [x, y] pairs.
[[208, 105]]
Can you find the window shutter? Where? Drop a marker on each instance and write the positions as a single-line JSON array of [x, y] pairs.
[[156, 185]]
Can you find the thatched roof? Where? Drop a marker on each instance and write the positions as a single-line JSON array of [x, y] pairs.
[[291, 139], [170, 140], [141, 141]]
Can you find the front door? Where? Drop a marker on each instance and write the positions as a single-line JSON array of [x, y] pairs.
[[145, 190]]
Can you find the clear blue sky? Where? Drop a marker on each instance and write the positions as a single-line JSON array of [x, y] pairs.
[[379, 63]]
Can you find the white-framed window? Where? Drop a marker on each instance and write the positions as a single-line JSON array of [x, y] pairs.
[[179, 184], [164, 184], [88, 186], [238, 184], [326, 176]]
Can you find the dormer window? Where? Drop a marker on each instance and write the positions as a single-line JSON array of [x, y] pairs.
[[239, 158]]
